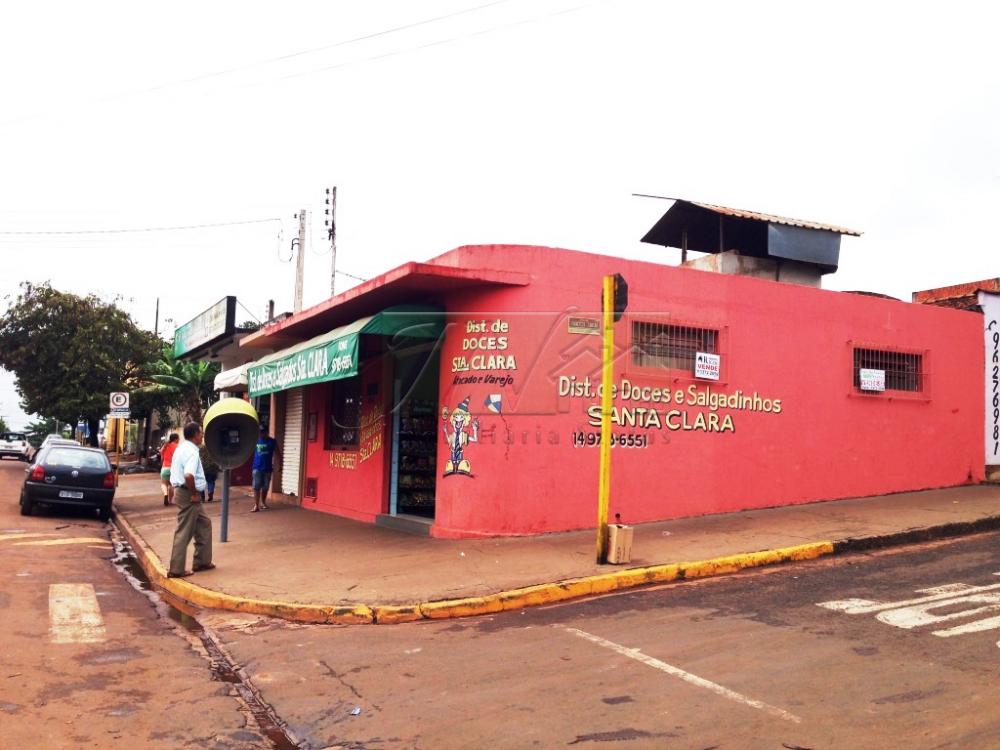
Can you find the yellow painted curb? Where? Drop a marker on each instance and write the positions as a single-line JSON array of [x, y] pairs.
[[527, 596], [349, 614]]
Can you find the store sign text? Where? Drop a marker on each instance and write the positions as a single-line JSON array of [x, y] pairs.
[[695, 408], [372, 428], [482, 339], [331, 361]]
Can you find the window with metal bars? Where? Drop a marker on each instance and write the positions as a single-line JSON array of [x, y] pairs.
[[669, 346], [344, 414], [903, 371]]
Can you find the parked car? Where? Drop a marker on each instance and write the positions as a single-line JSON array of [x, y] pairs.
[[55, 438], [15, 445], [69, 476]]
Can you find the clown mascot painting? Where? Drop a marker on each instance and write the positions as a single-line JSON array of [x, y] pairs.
[[464, 430]]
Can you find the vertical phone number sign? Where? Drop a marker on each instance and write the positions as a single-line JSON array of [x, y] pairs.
[[990, 303]]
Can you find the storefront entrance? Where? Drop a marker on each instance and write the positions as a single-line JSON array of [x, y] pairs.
[[414, 431]]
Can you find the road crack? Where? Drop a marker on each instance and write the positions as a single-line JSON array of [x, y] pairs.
[[340, 678]]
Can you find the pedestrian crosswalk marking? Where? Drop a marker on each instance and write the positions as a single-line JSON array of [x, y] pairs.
[[59, 542], [74, 614], [20, 535]]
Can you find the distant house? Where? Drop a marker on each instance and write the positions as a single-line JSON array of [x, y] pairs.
[[981, 297]]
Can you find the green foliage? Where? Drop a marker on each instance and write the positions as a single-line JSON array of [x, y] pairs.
[[69, 352], [187, 386], [3, 425], [38, 430]]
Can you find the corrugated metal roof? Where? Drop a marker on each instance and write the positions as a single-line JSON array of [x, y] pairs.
[[756, 215]]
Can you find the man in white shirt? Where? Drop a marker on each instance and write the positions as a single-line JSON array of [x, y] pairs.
[[188, 479]]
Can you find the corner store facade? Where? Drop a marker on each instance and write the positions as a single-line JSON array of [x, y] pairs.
[[496, 371]]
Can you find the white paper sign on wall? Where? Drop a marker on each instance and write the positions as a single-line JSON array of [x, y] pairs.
[[872, 380], [707, 366]]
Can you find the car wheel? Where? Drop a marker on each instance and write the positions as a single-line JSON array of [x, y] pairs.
[[104, 513], [26, 505]]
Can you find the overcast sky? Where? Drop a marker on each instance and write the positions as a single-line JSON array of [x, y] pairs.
[[525, 121]]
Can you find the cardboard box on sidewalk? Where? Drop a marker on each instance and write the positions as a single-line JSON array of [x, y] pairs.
[[619, 543]]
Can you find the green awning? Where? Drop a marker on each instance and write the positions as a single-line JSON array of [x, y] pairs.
[[334, 355]]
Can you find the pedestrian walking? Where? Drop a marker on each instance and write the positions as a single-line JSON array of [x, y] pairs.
[[188, 479], [166, 456], [263, 466], [212, 469]]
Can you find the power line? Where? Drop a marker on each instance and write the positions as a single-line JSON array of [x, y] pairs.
[[351, 276], [436, 43], [300, 53], [247, 310], [139, 229]]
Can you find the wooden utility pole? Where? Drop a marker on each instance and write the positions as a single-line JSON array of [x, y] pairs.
[[300, 261], [331, 227]]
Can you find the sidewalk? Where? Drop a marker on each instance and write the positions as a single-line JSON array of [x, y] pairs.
[[314, 566]]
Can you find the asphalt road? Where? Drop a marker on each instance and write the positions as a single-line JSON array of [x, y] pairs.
[[88, 661], [890, 650], [744, 662]]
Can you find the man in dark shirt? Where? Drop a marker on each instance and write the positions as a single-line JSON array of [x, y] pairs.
[[263, 466]]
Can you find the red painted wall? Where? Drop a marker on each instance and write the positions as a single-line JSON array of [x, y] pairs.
[[350, 483], [784, 342]]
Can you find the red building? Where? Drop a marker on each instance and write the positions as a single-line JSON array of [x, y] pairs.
[[460, 396]]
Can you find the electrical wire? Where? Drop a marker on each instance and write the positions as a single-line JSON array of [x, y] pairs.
[[247, 310], [292, 55], [136, 229], [351, 276], [437, 43]]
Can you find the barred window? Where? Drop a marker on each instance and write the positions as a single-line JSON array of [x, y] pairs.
[[344, 414], [903, 372], [670, 347]]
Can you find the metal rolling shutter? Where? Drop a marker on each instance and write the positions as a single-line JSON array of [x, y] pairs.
[[291, 448]]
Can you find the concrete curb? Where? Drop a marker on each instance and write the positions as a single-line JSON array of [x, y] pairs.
[[152, 566], [527, 596], [915, 536]]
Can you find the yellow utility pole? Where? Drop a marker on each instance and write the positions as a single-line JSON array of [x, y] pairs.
[[607, 376]]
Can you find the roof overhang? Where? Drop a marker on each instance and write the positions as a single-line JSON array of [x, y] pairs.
[[413, 283], [224, 349], [708, 228], [232, 381]]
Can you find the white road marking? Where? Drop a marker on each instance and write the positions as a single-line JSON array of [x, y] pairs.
[[922, 614], [58, 542], [74, 614], [634, 653], [979, 626], [915, 613], [19, 535], [864, 606]]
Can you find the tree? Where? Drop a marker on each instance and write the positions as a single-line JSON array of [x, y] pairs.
[[37, 431], [187, 386], [3, 425], [69, 352]]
